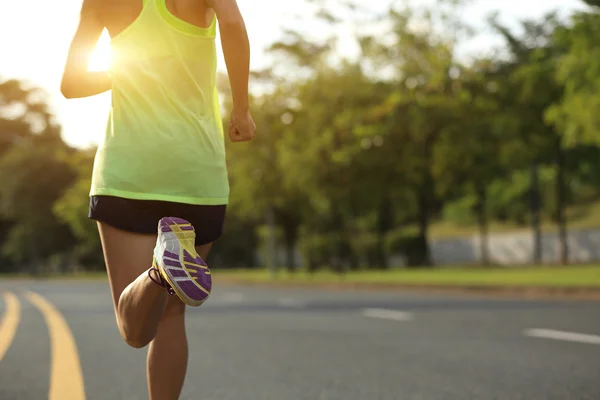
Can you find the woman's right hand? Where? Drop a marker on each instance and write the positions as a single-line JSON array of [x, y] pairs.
[[241, 126]]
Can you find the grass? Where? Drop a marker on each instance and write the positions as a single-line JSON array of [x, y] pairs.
[[75, 276], [552, 277], [579, 218], [572, 277], [546, 276]]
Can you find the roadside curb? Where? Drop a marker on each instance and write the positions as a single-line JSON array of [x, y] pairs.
[[527, 292]]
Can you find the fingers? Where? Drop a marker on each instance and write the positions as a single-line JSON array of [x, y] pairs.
[[240, 138], [242, 131], [237, 136]]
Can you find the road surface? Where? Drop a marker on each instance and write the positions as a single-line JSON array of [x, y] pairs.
[[302, 344]]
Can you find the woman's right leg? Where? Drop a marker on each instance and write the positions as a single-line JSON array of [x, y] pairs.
[[168, 352], [139, 302]]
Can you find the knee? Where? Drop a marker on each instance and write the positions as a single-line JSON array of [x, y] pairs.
[[135, 339], [136, 343], [172, 316], [133, 333]]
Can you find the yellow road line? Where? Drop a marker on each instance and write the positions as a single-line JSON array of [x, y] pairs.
[[66, 379], [8, 324]]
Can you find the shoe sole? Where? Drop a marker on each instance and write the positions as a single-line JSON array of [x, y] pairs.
[[181, 266]]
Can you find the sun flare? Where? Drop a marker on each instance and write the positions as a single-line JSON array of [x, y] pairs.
[[100, 58]]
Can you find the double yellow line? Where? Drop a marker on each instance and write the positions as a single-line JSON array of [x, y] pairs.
[[66, 379], [8, 325]]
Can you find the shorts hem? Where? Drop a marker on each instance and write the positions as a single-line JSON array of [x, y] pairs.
[[203, 201]]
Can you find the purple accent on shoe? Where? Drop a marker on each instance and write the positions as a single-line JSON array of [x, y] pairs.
[[171, 263], [177, 273], [200, 275], [187, 257], [170, 255], [175, 220], [192, 291], [164, 226], [192, 266]]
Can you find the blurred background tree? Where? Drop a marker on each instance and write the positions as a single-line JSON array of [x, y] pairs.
[[361, 160]]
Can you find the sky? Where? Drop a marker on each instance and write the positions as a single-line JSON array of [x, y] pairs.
[[35, 49]]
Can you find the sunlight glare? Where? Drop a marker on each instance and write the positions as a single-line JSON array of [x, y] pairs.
[[100, 58]]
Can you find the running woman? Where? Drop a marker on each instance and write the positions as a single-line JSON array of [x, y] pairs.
[[160, 185]]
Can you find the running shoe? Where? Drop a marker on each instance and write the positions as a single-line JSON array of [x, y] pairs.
[[182, 271]]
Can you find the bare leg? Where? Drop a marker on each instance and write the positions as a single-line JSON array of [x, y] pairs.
[[139, 303], [168, 353]]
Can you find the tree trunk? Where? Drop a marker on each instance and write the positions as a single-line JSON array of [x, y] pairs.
[[424, 207], [382, 257], [563, 246], [290, 231], [536, 214], [425, 197], [384, 224], [271, 242], [290, 255], [339, 252], [483, 224]]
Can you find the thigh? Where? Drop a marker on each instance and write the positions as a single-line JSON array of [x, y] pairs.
[[126, 254], [204, 250], [137, 216]]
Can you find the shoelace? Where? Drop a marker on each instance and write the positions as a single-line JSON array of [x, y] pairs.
[[160, 281]]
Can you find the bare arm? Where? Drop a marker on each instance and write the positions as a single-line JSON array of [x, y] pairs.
[[77, 81], [236, 49]]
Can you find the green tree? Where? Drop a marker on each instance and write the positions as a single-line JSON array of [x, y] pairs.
[[25, 124], [259, 192], [425, 69], [34, 175], [467, 159], [326, 155], [71, 209], [23, 113], [576, 114], [528, 93]]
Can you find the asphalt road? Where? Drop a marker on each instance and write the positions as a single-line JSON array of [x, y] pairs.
[[284, 344]]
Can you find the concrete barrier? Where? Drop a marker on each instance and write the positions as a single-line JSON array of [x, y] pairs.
[[516, 248]]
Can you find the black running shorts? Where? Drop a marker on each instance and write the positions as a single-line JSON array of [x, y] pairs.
[[142, 216]]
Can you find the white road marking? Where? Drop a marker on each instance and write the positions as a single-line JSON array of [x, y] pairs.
[[562, 335], [291, 303], [393, 315]]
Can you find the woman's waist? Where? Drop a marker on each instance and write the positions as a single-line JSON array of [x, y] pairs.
[[164, 127], [143, 159]]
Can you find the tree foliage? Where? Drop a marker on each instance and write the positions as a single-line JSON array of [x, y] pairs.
[[356, 158]]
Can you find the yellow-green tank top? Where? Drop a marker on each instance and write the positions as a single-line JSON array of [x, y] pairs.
[[164, 138]]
